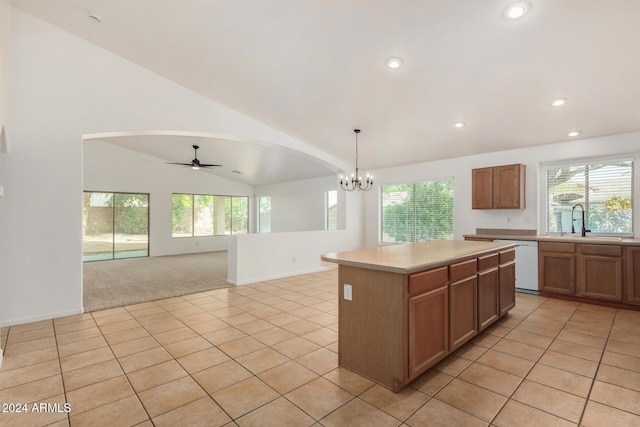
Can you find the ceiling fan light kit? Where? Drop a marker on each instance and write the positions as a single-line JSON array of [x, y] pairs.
[[355, 182], [195, 163]]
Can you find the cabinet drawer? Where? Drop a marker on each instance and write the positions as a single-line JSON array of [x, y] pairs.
[[463, 269], [569, 248], [508, 255], [427, 280], [602, 250], [488, 261]]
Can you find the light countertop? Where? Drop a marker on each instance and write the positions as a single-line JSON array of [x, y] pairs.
[[413, 257], [570, 238]]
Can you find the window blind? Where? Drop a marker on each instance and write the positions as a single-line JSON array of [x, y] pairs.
[[604, 188], [416, 212]]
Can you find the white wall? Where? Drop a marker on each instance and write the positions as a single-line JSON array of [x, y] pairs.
[[256, 257], [61, 88], [107, 167], [299, 205], [467, 220], [5, 25], [5, 10]]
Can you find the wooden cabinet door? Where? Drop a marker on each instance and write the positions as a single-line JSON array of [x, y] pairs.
[[633, 276], [428, 330], [508, 187], [507, 286], [463, 317], [601, 277], [488, 305], [482, 188], [557, 272]]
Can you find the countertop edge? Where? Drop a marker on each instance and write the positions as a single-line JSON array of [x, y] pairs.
[[417, 267], [567, 239]]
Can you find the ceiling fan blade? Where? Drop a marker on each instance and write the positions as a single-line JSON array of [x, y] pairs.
[[195, 163]]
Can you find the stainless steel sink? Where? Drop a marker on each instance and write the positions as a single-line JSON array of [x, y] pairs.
[[585, 239], [602, 238]]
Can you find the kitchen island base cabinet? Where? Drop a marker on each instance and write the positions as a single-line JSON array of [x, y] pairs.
[[428, 330], [488, 292], [372, 333], [397, 325], [507, 277], [463, 297]]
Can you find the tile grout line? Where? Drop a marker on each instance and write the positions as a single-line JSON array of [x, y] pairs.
[[360, 393], [595, 375], [120, 365]]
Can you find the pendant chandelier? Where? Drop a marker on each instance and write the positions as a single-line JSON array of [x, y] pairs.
[[355, 182]]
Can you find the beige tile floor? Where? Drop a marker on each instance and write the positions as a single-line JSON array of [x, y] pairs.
[[266, 354]]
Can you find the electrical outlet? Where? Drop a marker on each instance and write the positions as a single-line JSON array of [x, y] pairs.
[[348, 292]]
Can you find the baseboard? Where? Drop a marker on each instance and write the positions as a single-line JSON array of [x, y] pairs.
[[278, 276], [30, 319]]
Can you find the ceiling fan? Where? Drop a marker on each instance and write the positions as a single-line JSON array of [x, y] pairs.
[[195, 163]]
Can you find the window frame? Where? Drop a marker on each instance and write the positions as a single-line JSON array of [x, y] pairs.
[[259, 219], [327, 210], [544, 194], [228, 215], [381, 231], [114, 250]]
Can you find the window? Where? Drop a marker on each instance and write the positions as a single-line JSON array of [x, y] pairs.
[[416, 212], [195, 215], [604, 188], [115, 225], [264, 214], [331, 210]]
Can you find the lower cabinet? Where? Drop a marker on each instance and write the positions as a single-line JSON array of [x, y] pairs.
[[463, 311], [428, 329], [507, 287], [586, 270], [557, 267], [633, 275], [396, 326], [600, 272], [488, 304]]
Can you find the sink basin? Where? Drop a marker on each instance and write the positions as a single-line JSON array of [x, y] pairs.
[[603, 238], [585, 239]]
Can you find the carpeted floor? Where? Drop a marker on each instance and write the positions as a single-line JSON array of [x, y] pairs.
[[121, 282]]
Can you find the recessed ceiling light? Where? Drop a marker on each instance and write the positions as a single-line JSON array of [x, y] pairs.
[[574, 133], [394, 63], [96, 18], [459, 124], [517, 10], [558, 102]]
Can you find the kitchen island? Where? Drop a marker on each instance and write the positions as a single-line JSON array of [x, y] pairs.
[[403, 308]]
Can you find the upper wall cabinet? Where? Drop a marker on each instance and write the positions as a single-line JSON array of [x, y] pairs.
[[498, 187]]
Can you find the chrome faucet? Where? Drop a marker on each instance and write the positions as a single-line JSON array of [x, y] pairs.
[[573, 230]]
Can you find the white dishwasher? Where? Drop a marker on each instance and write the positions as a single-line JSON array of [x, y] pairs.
[[526, 264]]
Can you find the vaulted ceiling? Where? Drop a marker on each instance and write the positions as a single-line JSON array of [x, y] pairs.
[[315, 69]]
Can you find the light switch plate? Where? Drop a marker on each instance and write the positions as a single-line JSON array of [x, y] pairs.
[[348, 292]]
